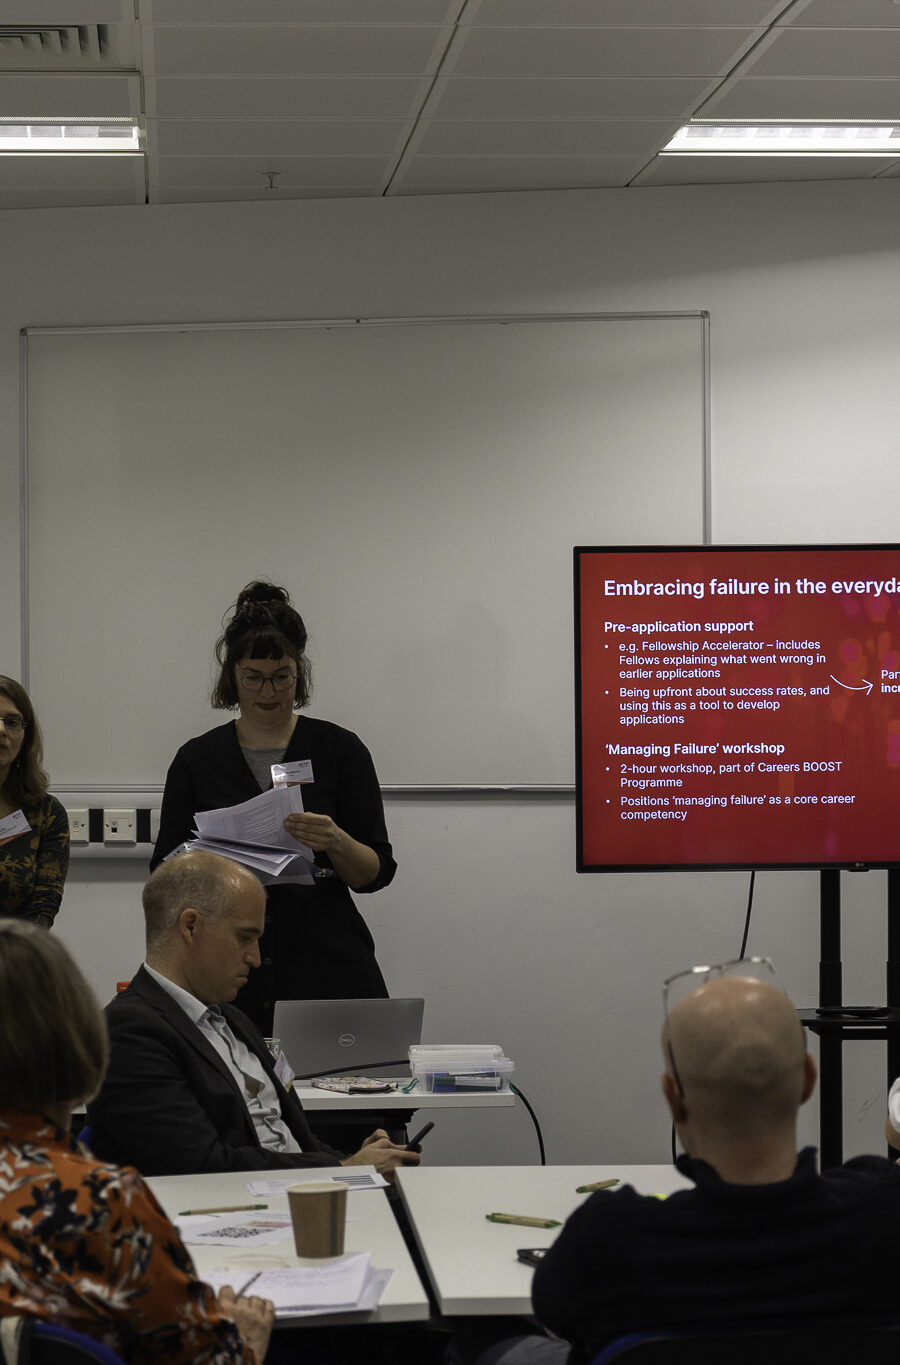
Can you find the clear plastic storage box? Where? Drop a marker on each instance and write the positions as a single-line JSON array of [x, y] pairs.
[[457, 1068]]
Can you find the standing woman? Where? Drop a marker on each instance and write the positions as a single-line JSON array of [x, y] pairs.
[[34, 857], [316, 944]]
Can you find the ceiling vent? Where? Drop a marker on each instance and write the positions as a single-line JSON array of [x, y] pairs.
[[66, 47]]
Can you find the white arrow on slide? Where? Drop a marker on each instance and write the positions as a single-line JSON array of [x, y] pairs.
[[866, 687]]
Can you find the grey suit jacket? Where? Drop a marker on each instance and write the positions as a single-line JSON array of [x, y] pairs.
[[170, 1106]]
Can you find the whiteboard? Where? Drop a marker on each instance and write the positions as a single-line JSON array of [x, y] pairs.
[[417, 485]]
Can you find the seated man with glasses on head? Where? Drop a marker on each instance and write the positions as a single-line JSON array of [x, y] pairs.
[[761, 1238]]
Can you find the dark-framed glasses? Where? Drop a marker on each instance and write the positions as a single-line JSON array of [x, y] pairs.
[[14, 724], [676, 987], [282, 681]]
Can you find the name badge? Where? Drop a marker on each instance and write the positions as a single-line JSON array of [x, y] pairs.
[[283, 1070], [11, 826], [292, 774]]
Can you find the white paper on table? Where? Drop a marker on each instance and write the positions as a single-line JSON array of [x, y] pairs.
[[339, 1285], [257, 821], [231, 1230], [364, 1180]]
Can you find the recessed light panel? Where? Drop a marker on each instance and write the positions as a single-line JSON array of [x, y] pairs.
[[772, 138], [66, 137]]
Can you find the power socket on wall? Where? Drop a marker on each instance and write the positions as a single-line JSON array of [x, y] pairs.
[[119, 826], [79, 828]]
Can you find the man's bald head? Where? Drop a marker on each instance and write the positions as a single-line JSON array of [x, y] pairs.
[[201, 881], [739, 1055]]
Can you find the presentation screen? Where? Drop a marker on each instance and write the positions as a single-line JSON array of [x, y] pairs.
[[737, 707]]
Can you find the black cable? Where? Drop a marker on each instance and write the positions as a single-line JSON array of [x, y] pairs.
[[534, 1119], [747, 920], [337, 1070], [354, 1066]]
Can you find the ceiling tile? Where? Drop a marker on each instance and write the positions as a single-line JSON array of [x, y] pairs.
[[298, 97], [294, 171], [730, 170], [47, 12], [267, 138], [329, 12], [841, 14], [861, 55], [65, 172], [806, 99], [467, 174], [580, 97], [50, 197], [630, 13], [67, 95], [542, 137], [251, 50], [597, 52], [229, 194]]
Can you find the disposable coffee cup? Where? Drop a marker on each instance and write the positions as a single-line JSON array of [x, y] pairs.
[[318, 1215]]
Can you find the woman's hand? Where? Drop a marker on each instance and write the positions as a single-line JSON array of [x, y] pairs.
[[355, 863], [254, 1318], [318, 832]]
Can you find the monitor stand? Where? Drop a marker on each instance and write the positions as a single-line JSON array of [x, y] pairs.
[[835, 1023]]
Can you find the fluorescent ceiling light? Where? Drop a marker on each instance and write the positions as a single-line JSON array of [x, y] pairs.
[[781, 138], [69, 137]]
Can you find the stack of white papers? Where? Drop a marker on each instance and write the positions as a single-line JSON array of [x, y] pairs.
[[253, 833], [338, 1286]]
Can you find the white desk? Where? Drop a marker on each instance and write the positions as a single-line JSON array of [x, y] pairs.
[[472, 1263], [311, 1097], [371, 1227]]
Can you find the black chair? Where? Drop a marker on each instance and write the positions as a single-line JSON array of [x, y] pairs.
[[839, 1344], [27, 1341]]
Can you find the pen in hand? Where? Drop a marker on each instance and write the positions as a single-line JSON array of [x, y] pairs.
[[252, 1280]]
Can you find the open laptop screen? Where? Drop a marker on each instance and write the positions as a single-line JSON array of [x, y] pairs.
[[324, 1036]]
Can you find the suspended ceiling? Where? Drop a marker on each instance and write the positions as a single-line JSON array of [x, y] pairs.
[[265, 99]]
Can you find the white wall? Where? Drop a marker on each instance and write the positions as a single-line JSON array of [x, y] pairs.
[[487, 917]]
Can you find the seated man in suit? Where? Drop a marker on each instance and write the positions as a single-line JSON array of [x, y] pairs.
[[761, 1237], [191, 1085]]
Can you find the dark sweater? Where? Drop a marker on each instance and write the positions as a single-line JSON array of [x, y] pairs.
[[316, 945], [810, 1247]]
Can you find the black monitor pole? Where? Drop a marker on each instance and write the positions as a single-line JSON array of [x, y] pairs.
[[835, 1024]]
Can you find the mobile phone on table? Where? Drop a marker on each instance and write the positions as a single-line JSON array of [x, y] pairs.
[[531, 1255], [414, 1141]]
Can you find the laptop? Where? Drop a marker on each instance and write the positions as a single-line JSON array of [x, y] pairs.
[[324, 1037]]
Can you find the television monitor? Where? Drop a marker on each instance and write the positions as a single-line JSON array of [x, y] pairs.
[[737, 707]]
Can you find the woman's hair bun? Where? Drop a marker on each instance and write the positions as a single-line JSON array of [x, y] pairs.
[[259, 593]]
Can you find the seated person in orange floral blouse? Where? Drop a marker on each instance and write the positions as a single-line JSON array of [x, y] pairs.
[[83, 1243]]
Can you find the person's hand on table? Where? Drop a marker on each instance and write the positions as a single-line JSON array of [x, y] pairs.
[[254, 1318], [384, 1155]]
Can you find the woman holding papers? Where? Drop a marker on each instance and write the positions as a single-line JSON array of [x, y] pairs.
[[316, 944], [83, 1244], [34, 827]]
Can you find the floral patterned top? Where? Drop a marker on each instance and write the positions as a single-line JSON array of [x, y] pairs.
[[87, 1245], [33, 866]]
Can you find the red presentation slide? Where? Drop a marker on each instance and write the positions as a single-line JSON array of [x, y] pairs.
[[738, 707]]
